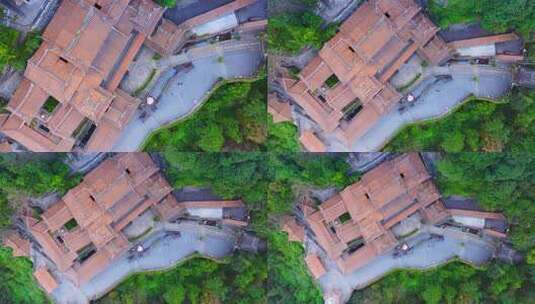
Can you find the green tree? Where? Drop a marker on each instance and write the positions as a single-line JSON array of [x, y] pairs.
[[477, 126], [17, 284], [167, 3], [517, 15], [291, 32], [228, 121], [282, 136]]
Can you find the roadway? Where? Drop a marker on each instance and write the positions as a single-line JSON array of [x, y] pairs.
[[162, 251], [435, 99], [184, 92]]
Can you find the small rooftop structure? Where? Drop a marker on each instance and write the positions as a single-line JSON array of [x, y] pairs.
[[487, 46], [82, 232], [169, 37], [346, 87], [311, 142], [280, 110], [231, 212], [20, 246], [315, 266], [45, 279], [69, 97], [357, 224]]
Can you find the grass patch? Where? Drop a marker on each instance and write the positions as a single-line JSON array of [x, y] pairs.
[[196, 280], [50, 104], [71, 224], [332, 81]]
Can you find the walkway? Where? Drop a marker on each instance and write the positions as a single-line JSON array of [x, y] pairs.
[[427, 253], [188, 89], [436, 98], [163, 251]]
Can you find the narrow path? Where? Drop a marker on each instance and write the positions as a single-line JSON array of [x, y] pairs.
[[186, 91], [435, 100], [427, 253], [162, 251]]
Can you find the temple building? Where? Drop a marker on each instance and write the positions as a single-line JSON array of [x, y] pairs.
[[70, 96], [346, 87], [84, 231], [370, 217]]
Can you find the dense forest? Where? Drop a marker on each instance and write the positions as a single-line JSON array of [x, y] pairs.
[[293, 25], [500, 182], [477, 126], [230, 120], [494, 15], [21, 176]]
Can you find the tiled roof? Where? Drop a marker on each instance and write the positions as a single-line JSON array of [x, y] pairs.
[[383, 197], [168, 37], [459, 44], [85, 53], [295, 231], [315, 265], [45, 279], [370, 47], [280, 110], [311, 142], [107, 200]]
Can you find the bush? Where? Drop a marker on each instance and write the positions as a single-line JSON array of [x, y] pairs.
[[494, 15], [13, 54], [291, 32], [167, 3], [229, 120]]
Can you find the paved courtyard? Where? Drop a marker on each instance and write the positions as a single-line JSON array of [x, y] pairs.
[[186, 90], [164, 250], [426, 253], [435, 98]]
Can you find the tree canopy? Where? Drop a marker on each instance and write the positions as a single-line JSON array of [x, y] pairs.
[[476, 126], [228, 121], [289, 33], [289, 173], [25, 175], [238, 280], [17, 285], [494, 15], [282, 137]]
